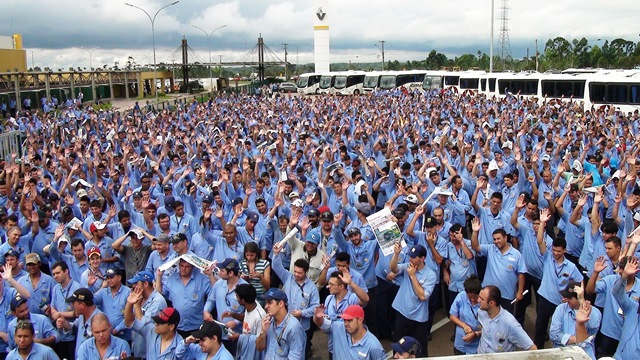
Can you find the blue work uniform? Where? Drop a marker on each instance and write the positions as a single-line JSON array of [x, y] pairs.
[[503, 269], [58, 302], [407, 302], [613, 315], [38, 351], [188, 299], [150, 307], [8, 293], [362, 258], [89, 351], [41, 324], [146, 329], [303, 297], [41, 294], [460, 267], [225, 300], [629, 345], [503, 333], [557, 277], [468, 314], [368, 347], [563, 326], [286, 341], [83, 330], [112, 305], [75, 269]]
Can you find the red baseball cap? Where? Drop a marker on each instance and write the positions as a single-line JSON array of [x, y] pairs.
[[352, 312]]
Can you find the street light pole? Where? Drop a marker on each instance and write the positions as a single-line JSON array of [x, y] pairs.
[[153, 38], [209, 46]]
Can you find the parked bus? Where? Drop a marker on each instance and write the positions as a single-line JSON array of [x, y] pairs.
[[372, 81], [326, 82], [409, 79], [349, 83], [308, 83], [433, 80]]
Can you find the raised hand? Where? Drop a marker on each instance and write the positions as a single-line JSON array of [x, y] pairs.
[[600, 264], [582, 316], [475, 224], [545, 216]]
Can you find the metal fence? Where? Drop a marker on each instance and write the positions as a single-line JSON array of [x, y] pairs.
[[11, 142]]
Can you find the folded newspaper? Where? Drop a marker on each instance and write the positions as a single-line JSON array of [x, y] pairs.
[[194, 260], [386, 231]]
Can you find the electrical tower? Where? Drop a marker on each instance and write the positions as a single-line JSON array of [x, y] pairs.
[[503, 39]]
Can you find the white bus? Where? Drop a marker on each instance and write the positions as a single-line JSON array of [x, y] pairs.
[[409, 79], [308, 83], [433, 80], [470, 81], [349, 83], [372, 81], [326, 82], [610, 90]]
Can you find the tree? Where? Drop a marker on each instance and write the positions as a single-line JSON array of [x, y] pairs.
[[435, 60], [558, 52]]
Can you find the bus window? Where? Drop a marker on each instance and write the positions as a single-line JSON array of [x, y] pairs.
[[617, 93], [492, 84], [483, 84], [597, 93], [634, 93], [451, 80], [469, 84]]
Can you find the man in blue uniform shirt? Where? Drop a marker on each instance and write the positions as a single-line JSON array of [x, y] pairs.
[[102, 344], [412, 300], [282, 335], [351, 338]]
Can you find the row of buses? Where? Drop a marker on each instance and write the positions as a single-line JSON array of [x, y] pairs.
[[595, 87]]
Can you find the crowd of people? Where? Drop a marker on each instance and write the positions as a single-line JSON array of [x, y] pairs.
[[498, 201]]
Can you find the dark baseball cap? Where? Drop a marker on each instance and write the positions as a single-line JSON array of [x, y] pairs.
[[207, 198], [417, 251], [208, 329], [17, 301], [313, 212], [13, 253], [407, 345], [83, 295], [167, 316], [229, 264], [569, 291], [326, 216]]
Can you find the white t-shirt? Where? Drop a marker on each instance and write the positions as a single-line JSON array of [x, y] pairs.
[[252, 324]]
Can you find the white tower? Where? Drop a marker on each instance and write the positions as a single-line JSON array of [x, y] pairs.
[[321, 35]]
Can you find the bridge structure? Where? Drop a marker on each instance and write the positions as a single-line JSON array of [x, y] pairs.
[[96, 84]]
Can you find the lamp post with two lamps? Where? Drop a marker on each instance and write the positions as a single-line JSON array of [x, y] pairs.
[[153, 37], [209, 41]]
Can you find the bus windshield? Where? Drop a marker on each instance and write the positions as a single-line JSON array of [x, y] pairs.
[[371, 81], [387, 81], [325, 82], [340, 82], [302, 81]]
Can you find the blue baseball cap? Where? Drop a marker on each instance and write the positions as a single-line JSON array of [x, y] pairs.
[[229, 264], [275, 294], [141, 276], [252, 217], [313, 237], [407, 345]]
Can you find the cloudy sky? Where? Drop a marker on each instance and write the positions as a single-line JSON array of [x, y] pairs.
[[62, 33]]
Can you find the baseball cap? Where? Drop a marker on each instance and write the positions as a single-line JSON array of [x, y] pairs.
[[54, 197], [407, 345], [411, 199], [137, 195], [353, 231], [545, 157], [162, 238], [275, 294], [64, 238], [577, 166], [313, 212], [94, 250], [167, 316], [252, 217], [229, 264], [17, 301], [83, 295], [207, 198], [353, 312], [293, 194], [313, 237], [417, 251], [430, 222], [111, 272], [32, 258], [398, 213], [96, 225], [168, 201], [167, 187], [81, 193], [14, 198], [364, 208], [569, 292], [297, 203], [237, 201], [208, 329], [66, 211], [141, 276], [326, 216], [13, 253], [178, 238]]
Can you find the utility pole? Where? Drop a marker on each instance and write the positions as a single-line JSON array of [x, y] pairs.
[[285, 61], [491, 40], [220, 67], [537, 55], [382, 50]]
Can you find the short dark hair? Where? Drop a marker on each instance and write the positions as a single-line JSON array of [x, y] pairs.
[[343, 256], [62, 265], [615, 240], [76, 242], [455, 228], [497, 195], [472, 285], [559, 242], [247, 293], [162, 216], [302, 264], [123, 214], [500, 231], [494, 294]]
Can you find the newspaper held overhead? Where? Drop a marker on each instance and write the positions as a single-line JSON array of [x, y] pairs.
[[386, 231], [194, 260]]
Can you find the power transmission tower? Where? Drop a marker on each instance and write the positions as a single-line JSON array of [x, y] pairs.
[[503, 39]]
